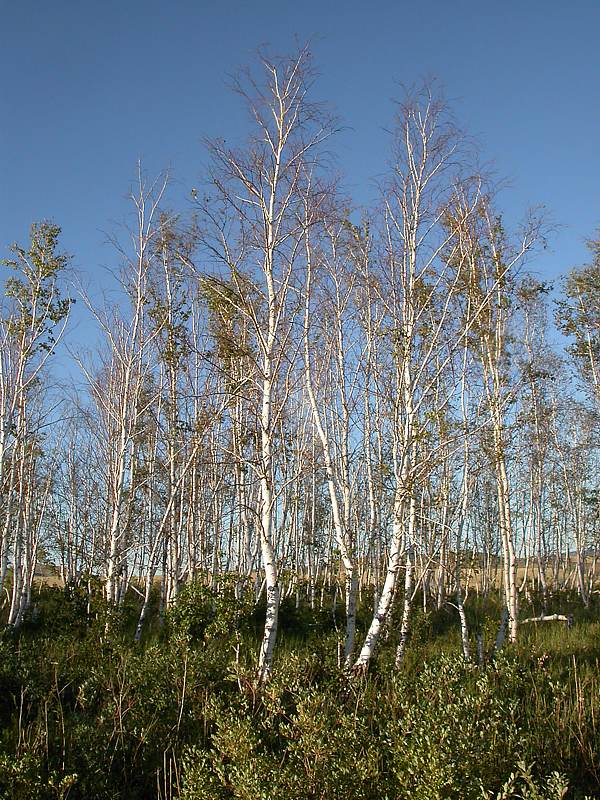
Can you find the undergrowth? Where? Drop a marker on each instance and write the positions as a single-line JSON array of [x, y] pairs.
[[86, 713]]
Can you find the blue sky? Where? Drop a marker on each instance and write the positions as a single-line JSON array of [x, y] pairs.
[[88, 88]]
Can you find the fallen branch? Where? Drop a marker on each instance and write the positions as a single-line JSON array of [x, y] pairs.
[[550, 618]]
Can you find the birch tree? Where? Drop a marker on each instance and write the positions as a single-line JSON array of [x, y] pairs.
[[417, 282], [120, 383], [254, 230], [35, 316], [493, 261], [334, 353]]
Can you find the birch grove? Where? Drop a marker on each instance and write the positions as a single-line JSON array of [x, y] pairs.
[[310, 402]]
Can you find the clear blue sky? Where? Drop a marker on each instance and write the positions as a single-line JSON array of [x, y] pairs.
[[87, 88]]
